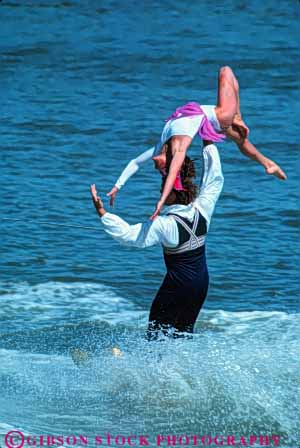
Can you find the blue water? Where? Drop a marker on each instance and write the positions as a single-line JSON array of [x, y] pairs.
[[85, 87]]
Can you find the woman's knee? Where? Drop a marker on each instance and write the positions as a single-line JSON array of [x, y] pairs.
[[225, 72], [225, 116]]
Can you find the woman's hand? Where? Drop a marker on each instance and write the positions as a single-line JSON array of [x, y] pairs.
[[97, 201], [240, 126], [159, 206], [113, 192]]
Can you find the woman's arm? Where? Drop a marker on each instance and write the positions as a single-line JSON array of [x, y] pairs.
[[131, 168], [249, 150], [179, 146], [175, 166]]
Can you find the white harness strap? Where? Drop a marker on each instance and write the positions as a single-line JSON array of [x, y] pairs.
[[194, 242], [188, 229]]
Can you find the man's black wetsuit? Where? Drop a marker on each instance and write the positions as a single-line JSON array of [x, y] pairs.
[[184, 288]]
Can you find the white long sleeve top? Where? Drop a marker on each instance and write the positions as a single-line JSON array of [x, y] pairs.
[[164, 230]]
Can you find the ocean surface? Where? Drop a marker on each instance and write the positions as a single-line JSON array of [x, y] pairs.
[[85, 87]]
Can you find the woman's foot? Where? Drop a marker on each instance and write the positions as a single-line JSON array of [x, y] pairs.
[[273, 169]]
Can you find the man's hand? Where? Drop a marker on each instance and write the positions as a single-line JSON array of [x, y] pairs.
[[97, 201], [159, 206], [113, 192]]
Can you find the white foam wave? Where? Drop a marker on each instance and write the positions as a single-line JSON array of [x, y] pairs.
[[58, 301], [243, 382]]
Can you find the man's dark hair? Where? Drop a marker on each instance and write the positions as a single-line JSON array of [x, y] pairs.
[[187, 173]]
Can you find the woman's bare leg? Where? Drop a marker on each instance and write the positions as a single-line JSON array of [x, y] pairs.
[[229, 116], [238, 122], [249, 150], [228, 104]]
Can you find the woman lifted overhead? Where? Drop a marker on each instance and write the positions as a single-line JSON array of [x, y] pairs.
[[213, 123]]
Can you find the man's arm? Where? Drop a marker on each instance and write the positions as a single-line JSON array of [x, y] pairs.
[[162, 230], [211, 183], [140, 235]]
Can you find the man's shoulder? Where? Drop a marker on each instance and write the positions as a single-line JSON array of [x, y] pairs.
[[163, 224], [183, 211], [162, 220]]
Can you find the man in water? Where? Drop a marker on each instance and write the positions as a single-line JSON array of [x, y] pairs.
[[181, 231]]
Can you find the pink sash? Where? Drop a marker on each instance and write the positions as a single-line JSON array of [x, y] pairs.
[[178, 182], [206, 130]]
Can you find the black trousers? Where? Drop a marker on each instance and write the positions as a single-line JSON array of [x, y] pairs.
[[177, 304]]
